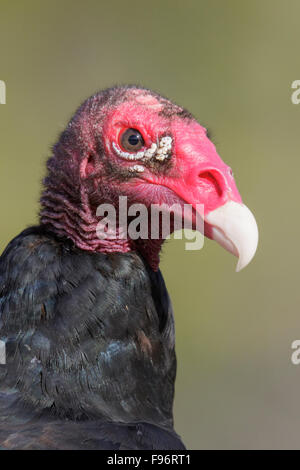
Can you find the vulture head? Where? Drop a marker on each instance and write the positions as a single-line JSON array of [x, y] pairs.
[[129, 141]]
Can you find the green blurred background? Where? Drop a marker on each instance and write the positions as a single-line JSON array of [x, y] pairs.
[[231, 63]]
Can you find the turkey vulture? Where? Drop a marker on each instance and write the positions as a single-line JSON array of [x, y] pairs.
[[86, 324]]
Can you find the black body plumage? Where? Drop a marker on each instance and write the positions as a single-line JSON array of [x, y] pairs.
[[89, 339]]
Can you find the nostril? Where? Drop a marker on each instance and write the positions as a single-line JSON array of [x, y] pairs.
[[209, 180]]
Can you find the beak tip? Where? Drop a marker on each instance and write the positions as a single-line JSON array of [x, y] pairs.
[[238, 269], [235, 228], [242, 263]]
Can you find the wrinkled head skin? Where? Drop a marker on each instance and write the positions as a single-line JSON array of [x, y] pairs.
[[177, 164]]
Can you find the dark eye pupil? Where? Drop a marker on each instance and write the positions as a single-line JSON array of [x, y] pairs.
[[133, 139]]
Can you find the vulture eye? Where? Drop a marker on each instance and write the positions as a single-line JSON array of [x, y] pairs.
[[132, 140]]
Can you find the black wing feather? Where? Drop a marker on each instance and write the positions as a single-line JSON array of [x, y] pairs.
[[90, 349]]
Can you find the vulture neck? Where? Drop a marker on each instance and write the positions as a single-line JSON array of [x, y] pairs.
[[69, 216]]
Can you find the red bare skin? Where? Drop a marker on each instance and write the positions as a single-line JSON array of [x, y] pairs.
[[195, 174]]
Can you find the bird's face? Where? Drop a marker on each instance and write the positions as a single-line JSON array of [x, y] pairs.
[[171, 151], [159, 154], [127, 141]]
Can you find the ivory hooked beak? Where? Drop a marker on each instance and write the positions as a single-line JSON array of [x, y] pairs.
[[234, 227]]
